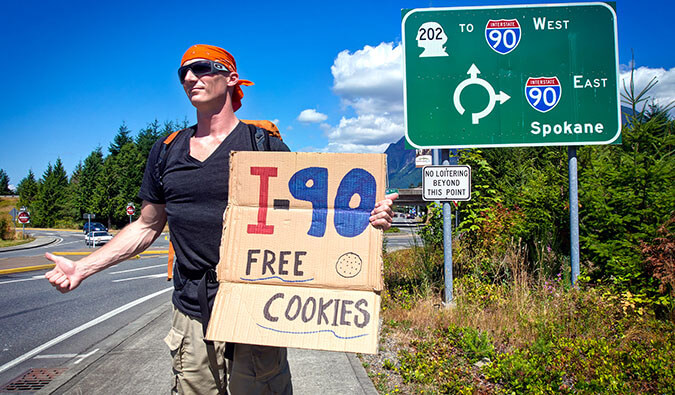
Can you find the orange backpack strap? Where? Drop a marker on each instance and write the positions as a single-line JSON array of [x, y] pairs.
[[172, 256], [172, 136], [271, 128]]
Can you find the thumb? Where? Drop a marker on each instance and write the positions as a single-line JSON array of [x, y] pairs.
[[65, 265], [63, 276]]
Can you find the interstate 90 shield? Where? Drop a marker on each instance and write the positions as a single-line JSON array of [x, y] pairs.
[[503, 35], [543, 93]]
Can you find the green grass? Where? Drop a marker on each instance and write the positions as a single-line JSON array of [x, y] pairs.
[[11, 243]]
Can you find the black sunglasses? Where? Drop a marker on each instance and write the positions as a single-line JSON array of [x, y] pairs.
[[203, 67]]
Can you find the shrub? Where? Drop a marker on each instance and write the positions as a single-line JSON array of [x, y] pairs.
[[6, 232]]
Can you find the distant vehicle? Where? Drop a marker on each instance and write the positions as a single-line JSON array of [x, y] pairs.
[[97, 238], [95, 226]]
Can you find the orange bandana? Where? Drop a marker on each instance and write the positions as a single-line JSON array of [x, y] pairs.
[[216, 54]]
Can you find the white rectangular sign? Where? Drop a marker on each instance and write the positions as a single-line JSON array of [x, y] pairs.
[[445, 183]]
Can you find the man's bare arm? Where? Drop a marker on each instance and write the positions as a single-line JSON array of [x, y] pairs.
[[131, 240]]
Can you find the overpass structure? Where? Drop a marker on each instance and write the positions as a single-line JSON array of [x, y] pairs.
[[410, 197]]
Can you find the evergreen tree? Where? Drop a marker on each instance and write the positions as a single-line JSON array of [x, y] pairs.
[[4, 183], [103, 197], [128, 167], [147, 137], [88, 180], [50, 204], [122, 137], [72, 208], [27, 190]]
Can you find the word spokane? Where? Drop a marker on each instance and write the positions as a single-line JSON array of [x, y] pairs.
[[565, 128]]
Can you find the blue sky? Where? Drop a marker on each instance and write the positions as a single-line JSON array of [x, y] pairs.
[[328, 72]]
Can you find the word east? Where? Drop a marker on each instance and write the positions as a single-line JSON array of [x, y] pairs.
[[565, 128], [264, 261], [333, 312]]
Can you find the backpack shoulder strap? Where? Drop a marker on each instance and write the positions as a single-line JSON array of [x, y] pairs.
[[161, 158], [259, 137], [269, 126]]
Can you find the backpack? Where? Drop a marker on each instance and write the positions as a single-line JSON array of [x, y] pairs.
[[260, 130]]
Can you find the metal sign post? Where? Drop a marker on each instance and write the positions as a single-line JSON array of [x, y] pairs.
[[131, 209], [446, 182], [24, 218], [14, 212], [574, 212], [88, 217], [513, 76]]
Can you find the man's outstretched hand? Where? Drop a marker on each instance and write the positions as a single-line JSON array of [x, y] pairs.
[[382, 214], [65, 276]]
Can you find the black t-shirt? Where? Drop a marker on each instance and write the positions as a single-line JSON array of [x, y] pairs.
[[195, 194]]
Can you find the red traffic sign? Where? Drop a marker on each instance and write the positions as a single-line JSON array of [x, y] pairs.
[[24, 217], [131, 210]]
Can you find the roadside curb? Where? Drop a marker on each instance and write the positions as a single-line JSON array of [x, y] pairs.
[[361, 374], [26, 269], [38, 242]]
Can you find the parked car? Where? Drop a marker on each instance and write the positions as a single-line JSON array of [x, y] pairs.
[[97, 238], [95, 226]]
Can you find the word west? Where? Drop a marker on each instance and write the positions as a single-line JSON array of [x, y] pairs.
[[565, 128], [329, 312], [542, 24]]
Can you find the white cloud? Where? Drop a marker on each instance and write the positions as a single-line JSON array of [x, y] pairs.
[[369, 132], [663, 93], [311, 116], [370, 81]]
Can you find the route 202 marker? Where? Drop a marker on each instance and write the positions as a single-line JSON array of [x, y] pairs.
[[444, 183]]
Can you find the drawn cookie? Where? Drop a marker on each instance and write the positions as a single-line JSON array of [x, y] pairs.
[[348, 265]]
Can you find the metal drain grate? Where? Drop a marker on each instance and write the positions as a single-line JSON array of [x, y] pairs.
[[32, 380]]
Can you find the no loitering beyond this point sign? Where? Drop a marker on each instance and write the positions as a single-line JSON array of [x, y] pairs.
[[444, 183]]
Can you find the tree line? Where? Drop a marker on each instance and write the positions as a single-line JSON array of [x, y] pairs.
[[102, 184]]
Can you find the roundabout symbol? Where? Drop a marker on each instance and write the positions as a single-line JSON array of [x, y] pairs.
[[473, 79]]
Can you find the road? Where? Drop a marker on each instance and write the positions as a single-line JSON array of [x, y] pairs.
[[406, 238], [42, 328]]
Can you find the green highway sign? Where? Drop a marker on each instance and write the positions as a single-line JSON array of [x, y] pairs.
[[508, 76]]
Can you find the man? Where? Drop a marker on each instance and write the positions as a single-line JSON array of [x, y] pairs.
[[186, 183]]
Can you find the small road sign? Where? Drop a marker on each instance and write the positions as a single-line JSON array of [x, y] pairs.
[[88, 216], [507, 76], [24, 217], [14, 212], [130, 209], [444, 183]]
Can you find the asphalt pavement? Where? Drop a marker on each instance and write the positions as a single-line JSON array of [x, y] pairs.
[[134, 359]]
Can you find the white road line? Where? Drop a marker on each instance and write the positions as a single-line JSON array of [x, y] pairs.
[[23, 279], [140, 268], [79, 329], [54, 356], [83, 356], [139, 277]]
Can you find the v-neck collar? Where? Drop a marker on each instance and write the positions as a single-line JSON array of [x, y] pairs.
[[215, 151]]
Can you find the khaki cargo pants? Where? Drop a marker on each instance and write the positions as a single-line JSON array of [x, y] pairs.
[[199, 368]]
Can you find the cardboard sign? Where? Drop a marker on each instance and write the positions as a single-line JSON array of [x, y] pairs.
[[300, 264]]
